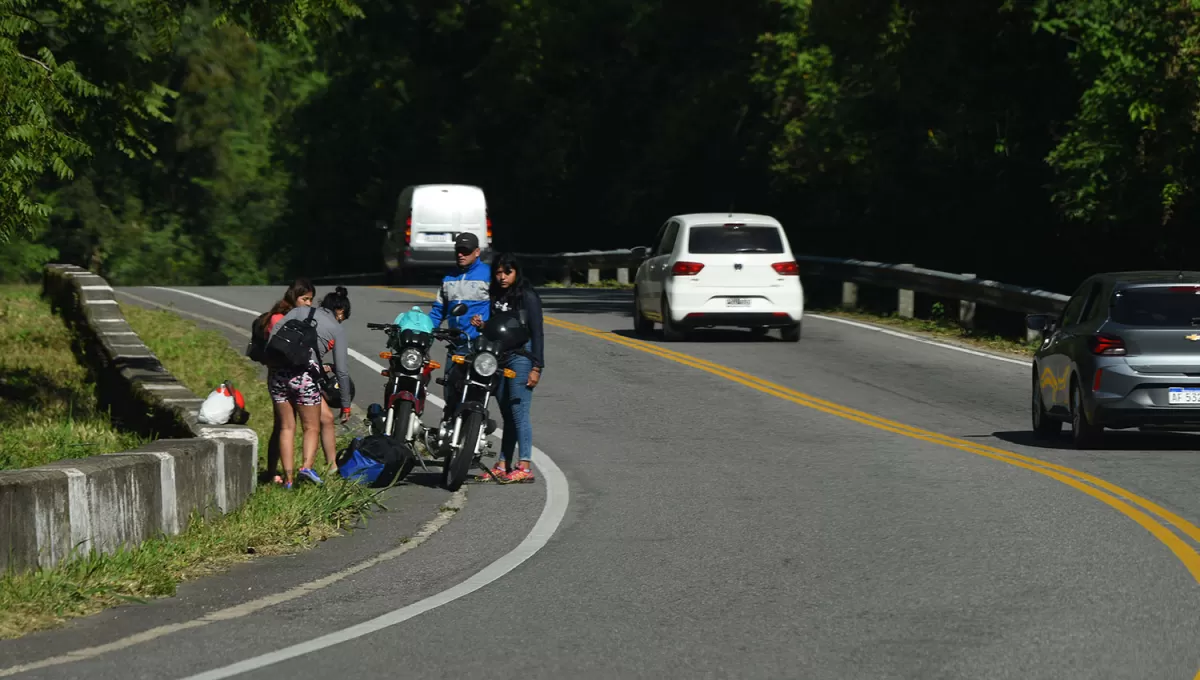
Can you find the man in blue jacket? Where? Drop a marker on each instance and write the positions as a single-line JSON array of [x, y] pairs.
[[468, 285]]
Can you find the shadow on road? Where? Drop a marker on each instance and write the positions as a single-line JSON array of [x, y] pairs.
[[720, 335], [586, 301], [1114, 440]]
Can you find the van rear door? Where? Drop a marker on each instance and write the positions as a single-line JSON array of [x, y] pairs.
[[440, 212]]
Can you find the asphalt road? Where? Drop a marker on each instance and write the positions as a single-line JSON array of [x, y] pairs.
[[720, 526]]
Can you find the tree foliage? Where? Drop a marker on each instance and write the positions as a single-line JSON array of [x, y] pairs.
[[246, 140]]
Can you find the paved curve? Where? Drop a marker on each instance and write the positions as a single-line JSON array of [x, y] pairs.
[[718, 530]]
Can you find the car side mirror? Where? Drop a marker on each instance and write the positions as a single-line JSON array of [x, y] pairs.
[[639, 252], [1038, 322], [458, 309]]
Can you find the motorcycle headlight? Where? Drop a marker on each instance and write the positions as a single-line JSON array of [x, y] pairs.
[[486, 364], [411, 359]]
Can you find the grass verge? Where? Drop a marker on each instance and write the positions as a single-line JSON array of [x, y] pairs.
[[48, 409], [272, 522], [940, 329]]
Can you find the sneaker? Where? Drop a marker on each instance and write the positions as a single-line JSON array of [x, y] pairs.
[[522, 475], [498, 470], [311, 475]]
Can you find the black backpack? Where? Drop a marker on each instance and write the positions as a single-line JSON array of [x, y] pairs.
[[256, 349], [294, 343]]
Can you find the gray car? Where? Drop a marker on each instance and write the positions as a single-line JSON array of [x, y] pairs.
[[1124, 352]]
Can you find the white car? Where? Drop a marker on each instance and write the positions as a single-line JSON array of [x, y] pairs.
[[719, 269]]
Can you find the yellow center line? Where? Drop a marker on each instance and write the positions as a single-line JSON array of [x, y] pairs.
[[1117, 497]]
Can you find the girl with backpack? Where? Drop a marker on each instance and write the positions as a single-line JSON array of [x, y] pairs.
[[511, 293], [299, 294], [304, 336]]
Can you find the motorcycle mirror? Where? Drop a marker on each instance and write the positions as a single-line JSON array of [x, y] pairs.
[[458, 309]]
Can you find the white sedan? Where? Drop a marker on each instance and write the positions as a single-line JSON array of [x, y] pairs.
[[719, 269]]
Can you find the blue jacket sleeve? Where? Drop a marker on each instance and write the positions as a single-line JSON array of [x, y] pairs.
[[438, 309]]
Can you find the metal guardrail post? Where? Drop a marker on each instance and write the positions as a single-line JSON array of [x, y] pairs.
[[966, 309], [849, 295], [906, 305]]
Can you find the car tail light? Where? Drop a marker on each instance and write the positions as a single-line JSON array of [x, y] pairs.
[[686, 268], [786, 268], [489, 228], [1096, 380], [1186, 289], [1103, 343], [408, 230]]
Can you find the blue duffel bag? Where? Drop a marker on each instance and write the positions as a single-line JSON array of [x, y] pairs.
[[373, 460]]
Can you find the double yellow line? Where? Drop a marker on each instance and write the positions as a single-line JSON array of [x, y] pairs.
[[1151, 516]]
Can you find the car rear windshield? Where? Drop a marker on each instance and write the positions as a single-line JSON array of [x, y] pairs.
[[734, 239], [1177, 306]]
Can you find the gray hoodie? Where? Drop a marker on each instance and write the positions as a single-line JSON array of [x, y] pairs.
[[330, 335]]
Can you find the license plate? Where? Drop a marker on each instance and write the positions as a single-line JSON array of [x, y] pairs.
[[1183, 395], [437, 238], [737, 302]]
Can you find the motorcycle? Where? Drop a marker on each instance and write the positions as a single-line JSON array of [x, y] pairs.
[[408, 372], [462, 439]]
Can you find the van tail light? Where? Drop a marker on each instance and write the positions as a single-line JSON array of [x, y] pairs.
[[489, 228], [408, 230], [1105, 344], [686, 268], [786, 268]]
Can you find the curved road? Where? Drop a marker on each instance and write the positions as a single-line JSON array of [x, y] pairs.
[[858, 505]]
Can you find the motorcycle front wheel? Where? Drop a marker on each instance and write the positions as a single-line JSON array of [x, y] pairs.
[[458, 463]]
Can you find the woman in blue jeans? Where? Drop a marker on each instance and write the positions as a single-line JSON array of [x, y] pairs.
[[511, 294]]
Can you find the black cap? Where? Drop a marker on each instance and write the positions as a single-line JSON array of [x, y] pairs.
[[466, 242]]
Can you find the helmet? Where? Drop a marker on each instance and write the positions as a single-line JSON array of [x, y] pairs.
[[506, 330]]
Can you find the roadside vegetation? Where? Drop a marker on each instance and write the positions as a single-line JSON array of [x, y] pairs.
[[48, 409], [272, 522], [939, 328], [606, 283]]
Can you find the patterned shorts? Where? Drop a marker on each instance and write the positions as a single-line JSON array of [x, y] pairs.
[[295, 385]]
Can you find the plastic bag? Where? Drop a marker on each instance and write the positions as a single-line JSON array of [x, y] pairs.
[[415, 320], [224, 405]]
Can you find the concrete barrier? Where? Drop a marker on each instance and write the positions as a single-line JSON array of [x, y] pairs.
[[103, 503]]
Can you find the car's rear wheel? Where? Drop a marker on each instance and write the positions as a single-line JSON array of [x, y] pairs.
[[1084, 435], [642, 326], [671, 332], [790, 333], [1043, 426]]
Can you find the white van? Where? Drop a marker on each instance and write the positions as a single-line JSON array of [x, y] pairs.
[[428, 217]]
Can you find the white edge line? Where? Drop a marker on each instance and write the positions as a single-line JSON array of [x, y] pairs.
[[553, 511], [906, 336]]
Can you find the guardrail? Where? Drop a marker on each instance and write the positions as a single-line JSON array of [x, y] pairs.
[[101, 503], [906, 279]]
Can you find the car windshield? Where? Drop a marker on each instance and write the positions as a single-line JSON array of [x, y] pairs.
[[1165, 307], [734, 239]]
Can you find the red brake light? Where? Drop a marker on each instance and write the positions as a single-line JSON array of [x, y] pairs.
[[408, 230], [786, 268], [489, 228], [1103, 343], [686, 268], [1186, 289]]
